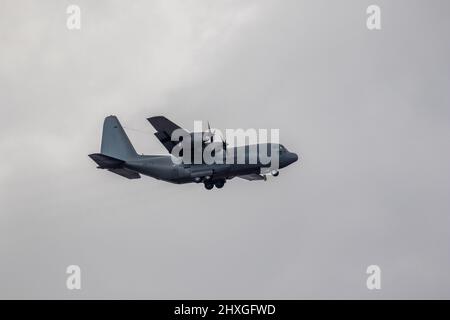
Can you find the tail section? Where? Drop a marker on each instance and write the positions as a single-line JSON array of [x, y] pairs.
[[114, 165], [115, 142]]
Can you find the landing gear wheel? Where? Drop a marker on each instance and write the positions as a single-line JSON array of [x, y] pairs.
[[275, 173], [209, 185], [219, 184]]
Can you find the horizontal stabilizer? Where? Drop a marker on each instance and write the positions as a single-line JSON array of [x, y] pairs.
[[126, 173], [114, 165], [106, 162]]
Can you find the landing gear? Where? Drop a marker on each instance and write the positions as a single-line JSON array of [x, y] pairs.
[[209, 185], [275, 173], [219, 183]]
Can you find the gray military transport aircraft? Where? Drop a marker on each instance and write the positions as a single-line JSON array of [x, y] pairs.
[[118, 155]]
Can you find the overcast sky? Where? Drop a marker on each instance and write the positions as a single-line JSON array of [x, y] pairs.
[[367, 111]]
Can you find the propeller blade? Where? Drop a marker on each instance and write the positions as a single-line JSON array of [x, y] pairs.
[[224, 142], [210, 133]]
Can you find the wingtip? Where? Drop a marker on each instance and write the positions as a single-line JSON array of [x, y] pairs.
[[155, 118]]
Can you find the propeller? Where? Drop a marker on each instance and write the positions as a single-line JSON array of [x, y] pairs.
[[224, 143], [210, 133]]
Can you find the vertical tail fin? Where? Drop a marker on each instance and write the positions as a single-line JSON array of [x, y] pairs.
[[115, 142]]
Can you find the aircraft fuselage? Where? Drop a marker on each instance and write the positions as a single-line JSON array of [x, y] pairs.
[[165, 167]]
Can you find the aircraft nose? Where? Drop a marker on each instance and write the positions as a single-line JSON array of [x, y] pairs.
[[288, 158], [293, 157]]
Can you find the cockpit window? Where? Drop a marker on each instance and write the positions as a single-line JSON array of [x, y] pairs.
[[282, 149]]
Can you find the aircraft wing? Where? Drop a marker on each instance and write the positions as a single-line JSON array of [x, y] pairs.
[[252, 177], [165, 128]]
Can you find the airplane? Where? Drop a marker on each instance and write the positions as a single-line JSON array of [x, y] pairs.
[[118, 155]]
